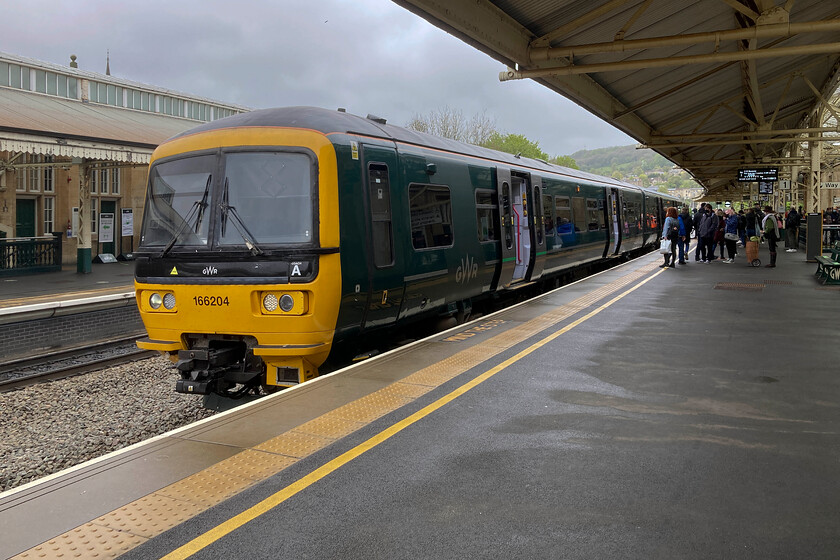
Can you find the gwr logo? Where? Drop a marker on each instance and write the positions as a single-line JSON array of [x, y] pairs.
[[466, 271]]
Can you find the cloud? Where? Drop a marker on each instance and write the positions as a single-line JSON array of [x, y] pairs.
[[369, 56]]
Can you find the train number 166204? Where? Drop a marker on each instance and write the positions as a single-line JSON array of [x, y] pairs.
[[211, 301]]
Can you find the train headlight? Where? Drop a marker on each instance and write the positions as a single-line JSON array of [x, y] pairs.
[[284, 303], [155, 300], [169, 301], [287, 302], [270, 302]]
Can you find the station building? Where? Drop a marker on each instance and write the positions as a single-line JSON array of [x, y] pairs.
[[74, 152]]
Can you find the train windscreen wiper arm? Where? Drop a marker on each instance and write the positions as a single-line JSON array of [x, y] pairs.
[[247, 236], [199, 205]]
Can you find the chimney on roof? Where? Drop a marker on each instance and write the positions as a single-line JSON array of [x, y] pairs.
[[73, 63], [108, 63]]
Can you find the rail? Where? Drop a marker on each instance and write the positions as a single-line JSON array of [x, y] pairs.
[[28, 255]]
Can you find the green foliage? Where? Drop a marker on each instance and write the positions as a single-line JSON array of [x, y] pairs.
[[447, 122], [641, 167], [515, 144], [565, 161]]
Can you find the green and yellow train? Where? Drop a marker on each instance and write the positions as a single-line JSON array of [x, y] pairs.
[[270, 236]]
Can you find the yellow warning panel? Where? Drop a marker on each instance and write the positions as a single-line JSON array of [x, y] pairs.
[[294, 444], [206, 488], [149, 516], [85, 541]]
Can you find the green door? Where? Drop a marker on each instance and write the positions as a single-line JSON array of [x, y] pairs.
[[384, 264], [25, 226], [108, 207]]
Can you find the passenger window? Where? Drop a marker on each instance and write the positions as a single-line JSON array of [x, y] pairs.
[[579, 212], [548, 218], [595, 214], [563, 215], [486, 210], [380, 214], [431, 216]]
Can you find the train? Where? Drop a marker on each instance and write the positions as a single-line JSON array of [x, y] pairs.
[[272, 237]]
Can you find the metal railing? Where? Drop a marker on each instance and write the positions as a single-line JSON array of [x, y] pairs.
[[30, 255]]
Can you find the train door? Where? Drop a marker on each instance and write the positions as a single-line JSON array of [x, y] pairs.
[[508, 238], [538, 251], [384, 266], [521, 227], [614, 219]]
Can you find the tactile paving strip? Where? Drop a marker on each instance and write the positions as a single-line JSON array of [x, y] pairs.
[[125, 528], [739, 287], [149, 516], [85, 542]]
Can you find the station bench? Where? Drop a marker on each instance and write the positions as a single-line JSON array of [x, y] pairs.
[[828, 266]]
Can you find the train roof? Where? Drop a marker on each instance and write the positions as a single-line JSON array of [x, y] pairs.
[[327, 121]]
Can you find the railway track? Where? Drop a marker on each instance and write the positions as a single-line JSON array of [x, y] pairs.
[[20, 373]]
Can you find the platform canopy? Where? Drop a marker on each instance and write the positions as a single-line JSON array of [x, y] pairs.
[[712, 85]]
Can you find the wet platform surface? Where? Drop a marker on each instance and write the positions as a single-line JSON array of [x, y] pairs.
[[641, 413], [67, 284]]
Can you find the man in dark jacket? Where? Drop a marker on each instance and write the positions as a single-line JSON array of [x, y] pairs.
[[698, 215], [792, 231], [706, 233]]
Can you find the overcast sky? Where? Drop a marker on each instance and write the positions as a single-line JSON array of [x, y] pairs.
[[369, 56]]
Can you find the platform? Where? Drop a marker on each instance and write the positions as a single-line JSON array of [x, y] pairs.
[[104, 279], [640, 413]]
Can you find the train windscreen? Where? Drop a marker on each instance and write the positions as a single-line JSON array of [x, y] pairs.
[[249, 198]]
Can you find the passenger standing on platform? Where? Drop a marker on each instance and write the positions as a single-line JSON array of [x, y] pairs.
[[792, 231], [730, 234], [706, 233], [752, 223], [671, 231], [721, 228], [771, 234], [742, 228], [686, 224], [698, 216]]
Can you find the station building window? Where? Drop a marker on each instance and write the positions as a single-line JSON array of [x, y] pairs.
[[48, 176], [49, 214]]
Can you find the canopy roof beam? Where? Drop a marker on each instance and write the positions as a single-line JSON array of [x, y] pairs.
[[784, 30], [573, 70]]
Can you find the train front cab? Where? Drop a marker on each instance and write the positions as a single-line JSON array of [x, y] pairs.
[[225, 286]]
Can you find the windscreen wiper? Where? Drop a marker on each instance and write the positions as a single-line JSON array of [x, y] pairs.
[[247, 236], [199, 206]]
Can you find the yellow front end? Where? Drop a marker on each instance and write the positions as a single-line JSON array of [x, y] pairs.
[[289, 326]]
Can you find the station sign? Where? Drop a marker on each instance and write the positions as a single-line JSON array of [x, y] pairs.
[[830, 185], [765, 187], [749, 174]]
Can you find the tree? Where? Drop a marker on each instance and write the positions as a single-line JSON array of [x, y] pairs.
[[565, 161], [447, 122], [515, 144]]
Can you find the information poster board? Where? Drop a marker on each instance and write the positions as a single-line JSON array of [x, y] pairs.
[[127, 215], [106, 227]]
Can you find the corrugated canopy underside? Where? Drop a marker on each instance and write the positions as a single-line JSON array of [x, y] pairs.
[[710, 84]]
